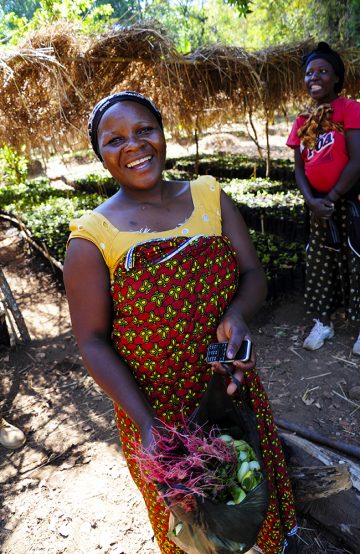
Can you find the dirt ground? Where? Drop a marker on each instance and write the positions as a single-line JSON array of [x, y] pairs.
[[68, 490]]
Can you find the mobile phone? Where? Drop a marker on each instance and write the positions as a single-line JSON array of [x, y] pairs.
[[217, 352]]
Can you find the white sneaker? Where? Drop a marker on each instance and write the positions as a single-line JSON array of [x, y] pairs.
[[10, 436], [318, 335], [356, 347]]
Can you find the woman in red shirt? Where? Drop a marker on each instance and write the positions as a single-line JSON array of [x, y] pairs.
[[326, 142]]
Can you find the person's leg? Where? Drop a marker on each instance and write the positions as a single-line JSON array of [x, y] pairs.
[[322, 286], [10, 436], [320, 332]]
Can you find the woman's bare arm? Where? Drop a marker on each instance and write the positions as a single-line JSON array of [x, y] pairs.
[[252, 288], [87, 284], [251, 292]]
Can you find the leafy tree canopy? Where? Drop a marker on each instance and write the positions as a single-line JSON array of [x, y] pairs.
[[252, 24]]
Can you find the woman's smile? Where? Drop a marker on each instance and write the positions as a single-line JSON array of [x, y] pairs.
[[140, 163]]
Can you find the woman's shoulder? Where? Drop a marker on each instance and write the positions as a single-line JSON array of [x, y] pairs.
[[205, 183], [347, 111], [97, 229], [345, 105], [93, 226], [89, 221], [346, 102]]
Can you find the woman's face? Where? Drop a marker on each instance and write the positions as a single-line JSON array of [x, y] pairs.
[[132, 145], [320, 80]]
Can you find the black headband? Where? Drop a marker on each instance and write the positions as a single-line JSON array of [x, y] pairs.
[[324, 52], [103, 105]]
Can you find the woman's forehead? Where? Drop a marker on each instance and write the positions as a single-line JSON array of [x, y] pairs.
[[319, 62], [126, 112]]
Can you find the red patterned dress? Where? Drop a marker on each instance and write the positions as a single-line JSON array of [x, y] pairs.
[[169, 296]]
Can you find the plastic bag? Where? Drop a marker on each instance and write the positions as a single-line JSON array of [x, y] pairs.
[[218, 528], [354, 226], [332, 237]]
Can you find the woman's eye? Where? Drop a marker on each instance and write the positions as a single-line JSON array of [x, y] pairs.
[[145, 130], [116, 140]]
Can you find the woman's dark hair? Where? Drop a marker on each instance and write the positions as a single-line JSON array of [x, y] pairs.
[[103, 105], [324, 52]]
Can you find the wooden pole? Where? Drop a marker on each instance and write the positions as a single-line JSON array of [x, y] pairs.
[[314, 436], [12, 305]]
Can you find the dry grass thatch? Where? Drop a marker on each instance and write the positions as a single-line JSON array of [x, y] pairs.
[[49, 85]]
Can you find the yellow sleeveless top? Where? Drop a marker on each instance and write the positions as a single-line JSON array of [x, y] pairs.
[[113, 244]]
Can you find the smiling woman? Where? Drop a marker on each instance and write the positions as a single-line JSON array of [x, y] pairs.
[[326, 142], [154, 275]]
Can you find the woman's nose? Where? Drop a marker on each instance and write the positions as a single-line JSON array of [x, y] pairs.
[[314, 75], [133, 141]]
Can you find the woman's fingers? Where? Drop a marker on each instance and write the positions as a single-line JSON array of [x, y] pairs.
[[237, 379], [235, 371]]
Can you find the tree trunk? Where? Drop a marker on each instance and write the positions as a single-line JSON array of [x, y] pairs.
[[268, 154], [197, 157]]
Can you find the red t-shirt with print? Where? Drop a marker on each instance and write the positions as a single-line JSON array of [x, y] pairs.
[[325, 163]]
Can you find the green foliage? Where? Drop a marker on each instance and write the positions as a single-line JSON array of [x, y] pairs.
[[274, 22], [90, 17], [49, 222], [276, 254], [13, 165], [46, 211], [337, 22], [12, 27], [225, 166], [257, 195], [242, 6], [185, 21], [30, 193], [101, 184], [223, 24], [252, 24], [21, 8]]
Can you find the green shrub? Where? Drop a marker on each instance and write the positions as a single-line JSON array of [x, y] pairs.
[[97, 183], [13, 166], [49, 222]]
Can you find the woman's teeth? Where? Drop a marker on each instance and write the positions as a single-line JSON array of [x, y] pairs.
[[138, 162]]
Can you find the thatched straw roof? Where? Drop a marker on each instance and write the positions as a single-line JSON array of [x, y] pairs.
[[49, 85]]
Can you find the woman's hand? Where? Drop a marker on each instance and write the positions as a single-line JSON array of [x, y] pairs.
[[147, 435], [233, 329], [150, 432], [321, 208]]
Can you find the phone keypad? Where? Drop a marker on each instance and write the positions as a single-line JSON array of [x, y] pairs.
[[216, 352]]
